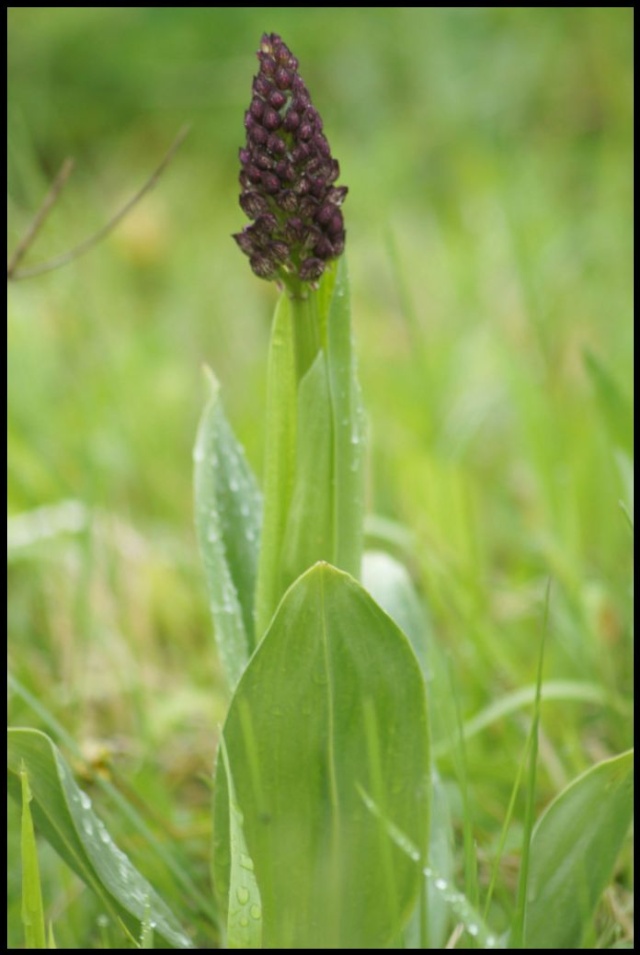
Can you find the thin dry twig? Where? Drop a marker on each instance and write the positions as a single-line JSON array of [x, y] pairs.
[[455, 936], [92, 240], [40, 216]]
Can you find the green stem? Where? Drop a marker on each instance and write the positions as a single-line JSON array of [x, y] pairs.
[[313, 478], [306, 331]]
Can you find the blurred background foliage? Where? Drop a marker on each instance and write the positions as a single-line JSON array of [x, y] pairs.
[[488, 155]]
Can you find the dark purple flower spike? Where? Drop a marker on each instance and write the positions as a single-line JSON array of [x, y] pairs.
[[287, 176]]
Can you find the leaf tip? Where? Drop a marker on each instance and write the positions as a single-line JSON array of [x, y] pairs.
[[210, 378]]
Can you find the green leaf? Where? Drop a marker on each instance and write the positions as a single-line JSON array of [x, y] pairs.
[[348, 429], [244, 915], [625, 470], [63, 815], [309, 535], [389, 583], [228, 516], [196, 904], [441, 860], [573, 851], [615, 406], [279, 466], [313, 485], [331, 704], [32, 910], [325, 516]]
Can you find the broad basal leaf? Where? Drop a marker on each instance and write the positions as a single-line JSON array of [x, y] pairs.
[[62, 814], [388, 581], [331, 705], [573, 851]]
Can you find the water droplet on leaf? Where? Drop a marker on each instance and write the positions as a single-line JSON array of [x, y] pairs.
[[242, 895]]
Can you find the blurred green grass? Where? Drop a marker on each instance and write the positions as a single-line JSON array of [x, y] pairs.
[[488, 156]]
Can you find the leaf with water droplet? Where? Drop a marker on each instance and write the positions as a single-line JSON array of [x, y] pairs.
[[242, 893], [228, 516], [62, 813]]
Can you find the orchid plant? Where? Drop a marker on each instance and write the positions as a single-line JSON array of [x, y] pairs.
[[329, 711]]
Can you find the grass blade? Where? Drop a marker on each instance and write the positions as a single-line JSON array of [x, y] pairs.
[[32, 909]]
